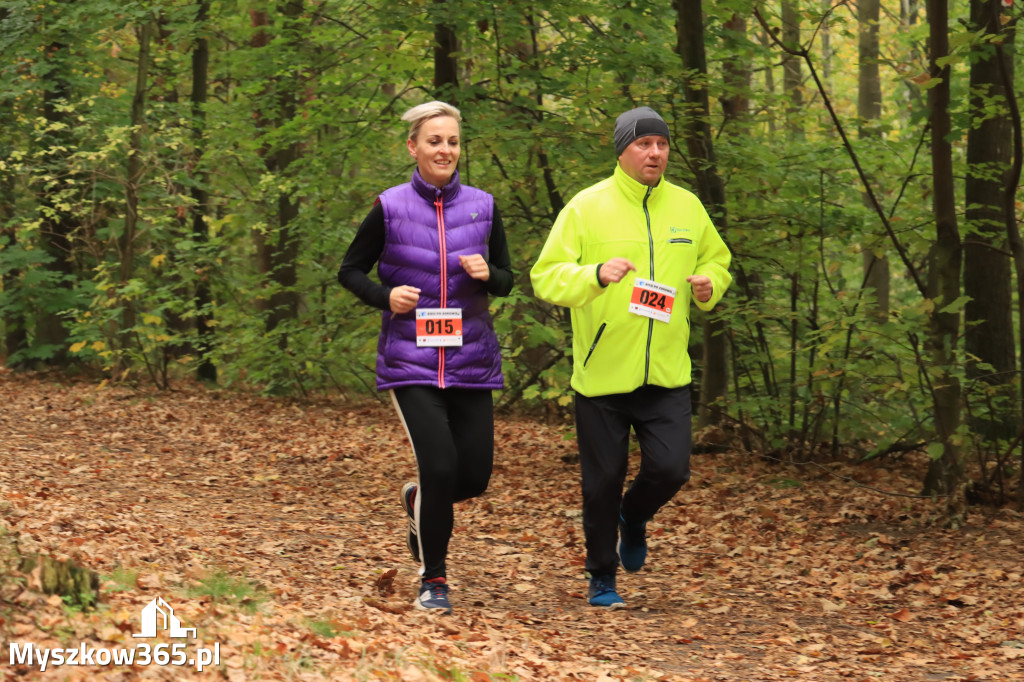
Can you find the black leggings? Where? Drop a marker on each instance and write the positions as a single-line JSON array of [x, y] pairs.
[[452, 436]]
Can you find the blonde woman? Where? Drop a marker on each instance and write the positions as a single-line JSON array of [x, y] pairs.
[[440, 251]]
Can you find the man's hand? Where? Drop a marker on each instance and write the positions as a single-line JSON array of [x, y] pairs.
[[404, 298], [475, 266], [613, 270], [702, 287]]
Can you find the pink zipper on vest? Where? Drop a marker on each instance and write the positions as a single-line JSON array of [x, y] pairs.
[[439, 205]]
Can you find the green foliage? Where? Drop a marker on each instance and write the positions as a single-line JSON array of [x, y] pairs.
[[327, 629], [223, 587], [304, 109], [122, 579]]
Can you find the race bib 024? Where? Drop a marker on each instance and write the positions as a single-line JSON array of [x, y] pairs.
[[650, 299]]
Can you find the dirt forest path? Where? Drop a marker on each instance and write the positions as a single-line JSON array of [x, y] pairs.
[[757, 571]]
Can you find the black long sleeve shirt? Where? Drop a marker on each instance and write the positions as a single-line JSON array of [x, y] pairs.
[[365, 249]]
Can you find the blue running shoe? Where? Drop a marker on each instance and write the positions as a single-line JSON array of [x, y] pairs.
[[602, 592], [434, 596], [412, 540], [632, 544]]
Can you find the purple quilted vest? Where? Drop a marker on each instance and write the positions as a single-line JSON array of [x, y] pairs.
[[427, 229]]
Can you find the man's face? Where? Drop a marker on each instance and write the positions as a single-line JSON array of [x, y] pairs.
[[645, 159]]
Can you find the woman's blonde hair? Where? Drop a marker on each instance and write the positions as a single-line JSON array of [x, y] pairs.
[[421, 113]]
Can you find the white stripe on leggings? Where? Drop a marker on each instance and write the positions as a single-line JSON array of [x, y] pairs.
[[416, 504]]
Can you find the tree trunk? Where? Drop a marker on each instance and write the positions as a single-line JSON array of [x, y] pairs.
[[869, 109], [1017, 247], [126, 241], [736, 74], [946, 470], [710, 189], [988, 316], [827, 53], [765, 40], [543, 161], [446, 65], [792, 77], [792, 74], [57, 224], [1003, 56], [205, 370], [278, 253], [15, 335]]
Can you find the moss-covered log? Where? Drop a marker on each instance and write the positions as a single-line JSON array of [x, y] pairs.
[[77, 585]]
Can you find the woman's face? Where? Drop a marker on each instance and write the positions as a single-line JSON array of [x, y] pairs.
[[436, 149]]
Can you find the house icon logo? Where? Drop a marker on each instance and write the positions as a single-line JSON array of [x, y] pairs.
[[151, 621]]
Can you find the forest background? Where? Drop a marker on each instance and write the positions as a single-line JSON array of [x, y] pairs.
[[179, 182]]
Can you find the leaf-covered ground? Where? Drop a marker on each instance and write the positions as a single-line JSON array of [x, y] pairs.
[[757, 571]]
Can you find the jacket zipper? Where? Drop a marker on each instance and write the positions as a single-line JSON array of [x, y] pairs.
[[600, 330], [439, 205], [650, 322]]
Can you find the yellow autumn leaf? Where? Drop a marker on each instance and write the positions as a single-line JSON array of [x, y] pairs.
[[98, 345], [77, 347], [158, 260], [151, 319]]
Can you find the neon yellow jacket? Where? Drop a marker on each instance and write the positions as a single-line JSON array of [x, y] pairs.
[[668, 235]]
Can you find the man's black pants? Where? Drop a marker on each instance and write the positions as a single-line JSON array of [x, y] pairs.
[[661, 418]]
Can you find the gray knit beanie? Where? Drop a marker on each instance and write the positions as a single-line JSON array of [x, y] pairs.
[[636, 123]]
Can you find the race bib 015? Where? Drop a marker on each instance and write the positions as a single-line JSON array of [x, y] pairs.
[[439, 326]]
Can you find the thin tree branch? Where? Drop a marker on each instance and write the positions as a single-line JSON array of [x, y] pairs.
[[805, 55]]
